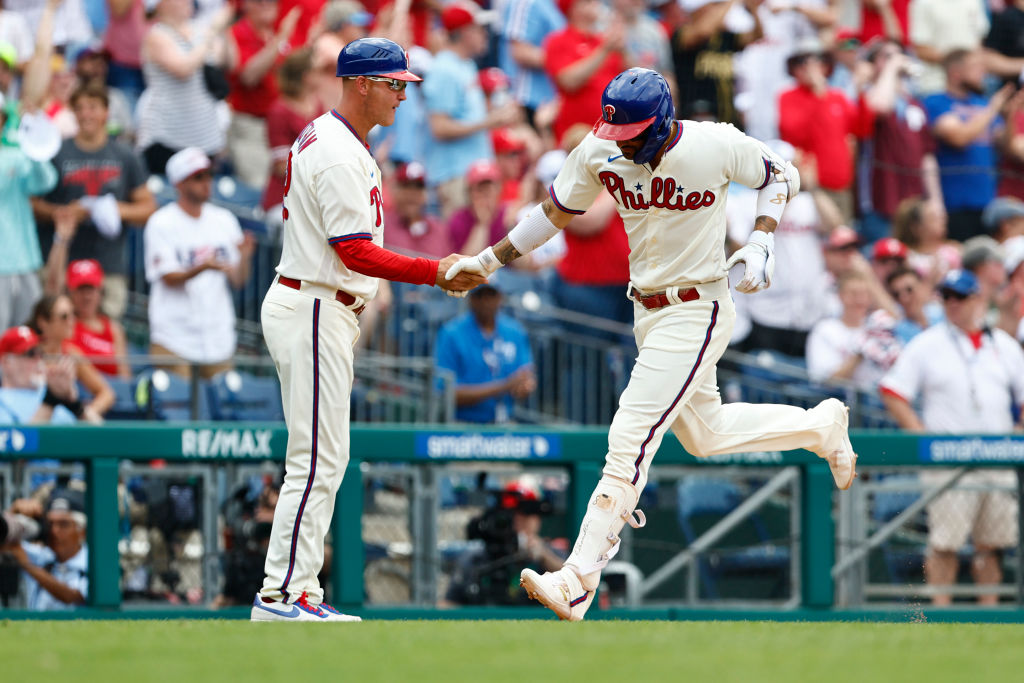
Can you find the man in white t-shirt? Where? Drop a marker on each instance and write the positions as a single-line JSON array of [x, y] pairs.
[[195, 253], [966, 379]]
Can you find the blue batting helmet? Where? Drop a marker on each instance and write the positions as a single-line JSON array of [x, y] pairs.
[[635, 100], [375, 57]]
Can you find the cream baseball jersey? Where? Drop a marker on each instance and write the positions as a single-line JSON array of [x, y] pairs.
[[675, 214], [332, 193]]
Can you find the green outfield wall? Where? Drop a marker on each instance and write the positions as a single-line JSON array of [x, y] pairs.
[[581, 451]]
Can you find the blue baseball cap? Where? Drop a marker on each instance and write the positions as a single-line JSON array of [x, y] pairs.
[[960, 282]]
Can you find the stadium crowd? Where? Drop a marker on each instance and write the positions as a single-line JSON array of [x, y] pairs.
[[905, 117]]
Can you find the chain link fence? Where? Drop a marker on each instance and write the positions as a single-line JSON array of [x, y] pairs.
[[942, 536]]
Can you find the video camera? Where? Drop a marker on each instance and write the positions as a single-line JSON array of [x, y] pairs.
[[15, 528], [491, 577]]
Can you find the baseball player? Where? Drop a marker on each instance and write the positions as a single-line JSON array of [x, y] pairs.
[[330, 263], [669, 179]]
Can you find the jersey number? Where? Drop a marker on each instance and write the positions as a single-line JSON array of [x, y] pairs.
[[287, 184], [375, 200]]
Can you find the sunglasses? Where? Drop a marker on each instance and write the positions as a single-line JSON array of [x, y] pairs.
[[393, 83], [949, 295]]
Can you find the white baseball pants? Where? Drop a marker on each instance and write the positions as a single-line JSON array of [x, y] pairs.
[[311, 339], [674, 386]]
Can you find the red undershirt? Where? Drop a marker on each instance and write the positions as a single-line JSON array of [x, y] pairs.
[[363, 256]]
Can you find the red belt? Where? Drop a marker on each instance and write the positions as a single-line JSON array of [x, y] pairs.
[[660, 300], [343, 297]]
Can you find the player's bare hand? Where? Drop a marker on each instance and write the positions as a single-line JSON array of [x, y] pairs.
[[461, 281], [758, 257]]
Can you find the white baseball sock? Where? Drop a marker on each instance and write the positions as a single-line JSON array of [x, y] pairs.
[[611, 506]]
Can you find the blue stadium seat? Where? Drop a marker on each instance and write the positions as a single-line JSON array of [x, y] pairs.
[[169, 397], [125, 407], [903, 562], [704, 501], [240, 396]]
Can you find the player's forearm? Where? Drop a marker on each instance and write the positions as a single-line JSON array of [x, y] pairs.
[[364, 257]]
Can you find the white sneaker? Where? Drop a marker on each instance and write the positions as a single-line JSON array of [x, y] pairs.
[[838, 450], [335, 615], [561, 592], [280, 611]]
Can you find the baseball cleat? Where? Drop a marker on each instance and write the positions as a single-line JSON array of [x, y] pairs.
[[838, 450], [561, 592]]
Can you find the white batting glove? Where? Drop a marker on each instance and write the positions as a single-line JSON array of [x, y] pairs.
[[484, 263], [758, 256]]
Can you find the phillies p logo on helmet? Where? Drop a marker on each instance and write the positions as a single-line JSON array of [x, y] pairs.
[[609, 112]]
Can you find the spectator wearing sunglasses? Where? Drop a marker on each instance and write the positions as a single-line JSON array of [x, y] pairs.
[[919, 309], [53, 321], [965, 377]]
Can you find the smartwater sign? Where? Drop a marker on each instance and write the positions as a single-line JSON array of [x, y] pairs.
[[458, 445], [954, 451], [226, 443], [19, 440]]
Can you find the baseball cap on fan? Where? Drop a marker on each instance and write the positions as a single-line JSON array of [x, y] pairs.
[[411, 173], [186, 163], [889, 248], [460, 14], [842, 237], [340, 13], [18, 340], [481, 171], [85, 273]]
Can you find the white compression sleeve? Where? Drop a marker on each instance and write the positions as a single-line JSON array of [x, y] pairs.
[[532, 231], [772, 199]]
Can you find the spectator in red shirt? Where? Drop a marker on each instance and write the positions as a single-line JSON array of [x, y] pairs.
[[411, 230], [884, 19], [510, 153], [1011, 163], [96, 335], [581, 61], [901, 159], [482, 222], [822, 122], [296, 106], [255, 49]]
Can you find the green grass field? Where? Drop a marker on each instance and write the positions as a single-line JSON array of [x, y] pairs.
[[519, 651]]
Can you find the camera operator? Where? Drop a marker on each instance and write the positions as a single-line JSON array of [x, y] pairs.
[[55, 574], [248, 520], [510, 531]]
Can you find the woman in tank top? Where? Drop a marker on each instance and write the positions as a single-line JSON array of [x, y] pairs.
[[97, 336], [177, 111], [53, 320]]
